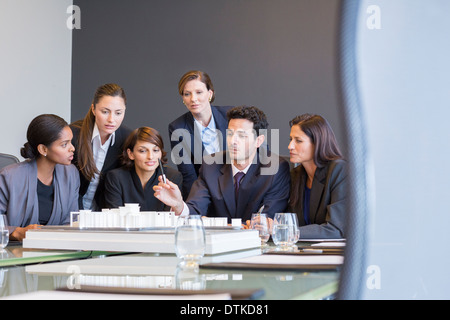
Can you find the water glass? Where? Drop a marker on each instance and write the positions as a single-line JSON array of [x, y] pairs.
[[259, 222], [190, 240], [296, 229], [4, 231], [283, 230], [189, 278]]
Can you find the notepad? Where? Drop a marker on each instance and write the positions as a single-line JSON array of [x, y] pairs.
[[293, 260], [274, 262], [328, 244], [75, 295]]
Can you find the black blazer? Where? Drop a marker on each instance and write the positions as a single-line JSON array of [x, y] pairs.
[[123, 185], [327, 212], [212, 193], [112, 161], [190, 168]]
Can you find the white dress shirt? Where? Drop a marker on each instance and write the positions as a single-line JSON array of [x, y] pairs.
[[99, 151]]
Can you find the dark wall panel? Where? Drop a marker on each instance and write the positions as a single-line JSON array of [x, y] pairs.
[[276, 55]]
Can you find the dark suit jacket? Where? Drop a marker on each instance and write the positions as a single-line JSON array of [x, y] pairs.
[[112, 161], [212, 193], [123, 185], [190, 168], [327, 212]]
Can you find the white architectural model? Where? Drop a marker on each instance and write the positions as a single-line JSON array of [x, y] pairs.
[[130, 217]]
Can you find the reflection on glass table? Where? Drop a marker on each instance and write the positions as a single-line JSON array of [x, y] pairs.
[[14, 254], [162, 271]]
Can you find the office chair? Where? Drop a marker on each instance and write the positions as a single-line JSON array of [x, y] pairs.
[[353, 271], [7, 159]]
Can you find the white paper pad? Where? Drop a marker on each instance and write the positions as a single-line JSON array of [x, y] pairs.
[[329, 244], [66, 295], [277, 259], [323, 240]]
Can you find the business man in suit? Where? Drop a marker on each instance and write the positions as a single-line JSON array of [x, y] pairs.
[[218, 192]]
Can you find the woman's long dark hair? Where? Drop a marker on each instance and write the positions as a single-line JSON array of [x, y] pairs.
[[321, 135], [325, 146]]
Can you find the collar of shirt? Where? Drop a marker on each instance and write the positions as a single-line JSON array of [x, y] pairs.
[[236, 170], [96, 135], [210, 126]]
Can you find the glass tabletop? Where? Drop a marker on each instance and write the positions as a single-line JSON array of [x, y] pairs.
[[147, 271], [14, 254]]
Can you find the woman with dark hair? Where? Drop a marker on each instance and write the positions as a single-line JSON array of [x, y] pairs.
[[318, 183], [133, 183], [199, 131], [98, 139], [43, 189]]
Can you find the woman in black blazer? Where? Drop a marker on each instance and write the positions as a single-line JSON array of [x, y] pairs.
[[133, 183], [319, 183], [190, 134], [98, 141]]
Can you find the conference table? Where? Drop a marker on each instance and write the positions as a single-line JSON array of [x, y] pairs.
[[28, 273]]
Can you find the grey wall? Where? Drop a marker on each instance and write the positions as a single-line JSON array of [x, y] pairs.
[[276, 55], [35, 66]]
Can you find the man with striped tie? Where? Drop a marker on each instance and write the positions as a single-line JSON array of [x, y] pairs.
[[232, 183]]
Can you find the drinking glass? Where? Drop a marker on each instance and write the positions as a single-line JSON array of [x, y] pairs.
[[189, 278], [283, 230], [4, 231], [190, 240], [259, 222], [296, 229]]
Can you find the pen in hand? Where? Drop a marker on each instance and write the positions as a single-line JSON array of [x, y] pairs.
[[260, 210], [162, 171]]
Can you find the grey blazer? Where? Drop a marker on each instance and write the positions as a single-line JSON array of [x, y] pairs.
[[18, 194], [327, 212]]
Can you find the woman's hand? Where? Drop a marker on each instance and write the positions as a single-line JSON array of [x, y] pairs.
[[19, 233]]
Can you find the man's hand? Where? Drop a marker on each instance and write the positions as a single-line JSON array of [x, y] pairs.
[[169, 194]]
